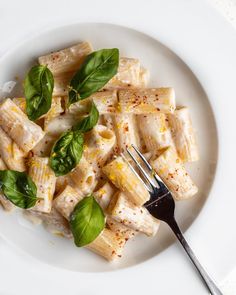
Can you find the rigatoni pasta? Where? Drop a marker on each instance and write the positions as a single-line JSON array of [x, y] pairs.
[[137, 218], [128, 74], [172, 171], [55, 110], [183, 134], [126, 130], [121, 175], [99, 144], [45, 181], [104, 195], [6, 204], [83, 177], [120, 230], [66, 60], [105, 101], [147, 100], [66, 201], [155, 131], [61, 83], [108, 245], [10, 153], [16, 124]]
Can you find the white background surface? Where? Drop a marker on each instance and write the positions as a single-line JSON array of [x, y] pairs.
[[21, 274]]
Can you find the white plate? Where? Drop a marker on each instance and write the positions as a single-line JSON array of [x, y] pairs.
[[211, 223], [166, 69]]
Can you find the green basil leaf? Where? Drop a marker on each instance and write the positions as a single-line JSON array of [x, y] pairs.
[[86, 221], [88, 122], [67, 152], [19, 188], [97, 69], [38, 88]]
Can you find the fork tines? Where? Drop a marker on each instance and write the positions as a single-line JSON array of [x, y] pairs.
[[152, 180]]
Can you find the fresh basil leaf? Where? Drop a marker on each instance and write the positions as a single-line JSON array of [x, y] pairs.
[[97, 69], [86, 221], [67, 152], [19, 188], [89, 121], [38, 88]]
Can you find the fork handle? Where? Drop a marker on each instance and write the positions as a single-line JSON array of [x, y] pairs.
[[204, 275]]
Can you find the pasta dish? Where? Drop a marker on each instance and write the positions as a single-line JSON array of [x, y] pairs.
[[63, 147]]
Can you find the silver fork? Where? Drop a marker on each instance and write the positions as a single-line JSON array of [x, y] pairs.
[[162, 206]]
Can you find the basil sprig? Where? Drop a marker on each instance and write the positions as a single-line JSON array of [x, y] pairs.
[[67, 152], [68, 149], [86, 221], [87, 123], [38, 88], [96, 70], [19, 188]]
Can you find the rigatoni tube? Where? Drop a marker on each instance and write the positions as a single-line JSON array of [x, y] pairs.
[[45, 180], [146, 100], [11, 154], [16, 124], [55, 110], [183, 134], [172, 171], [128, 74], [6, 204], [126, 130], [67, 200], [66, 60], [108, 245], [83, 177], [120, 229], [99, 143], [105, 101], [155, 131], [61, 83], [104, 195], [137, 218], [122, 176]]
